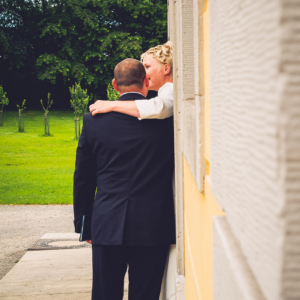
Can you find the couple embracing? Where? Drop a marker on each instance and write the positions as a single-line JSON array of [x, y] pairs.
[[123, 179]]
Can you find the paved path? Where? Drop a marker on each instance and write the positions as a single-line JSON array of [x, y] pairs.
[[51, 274], [21, 225], [45, 274]]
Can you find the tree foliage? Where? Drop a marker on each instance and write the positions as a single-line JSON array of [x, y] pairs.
[[77, 40], [21, 107], [79, 99], [49, 104], [3, 99], [112, 94], [20, 43]]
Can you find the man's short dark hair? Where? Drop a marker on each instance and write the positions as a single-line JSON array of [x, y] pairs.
[[129, 72]]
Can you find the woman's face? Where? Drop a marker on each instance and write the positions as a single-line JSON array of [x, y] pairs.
[[155, 72]]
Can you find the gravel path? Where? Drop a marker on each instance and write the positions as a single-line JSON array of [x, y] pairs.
[[21, 225]]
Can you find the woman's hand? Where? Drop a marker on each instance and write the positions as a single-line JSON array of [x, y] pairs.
[[101, 107], [89, 241]]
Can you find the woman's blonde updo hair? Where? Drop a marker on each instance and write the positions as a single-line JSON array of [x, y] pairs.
[[162, 53]]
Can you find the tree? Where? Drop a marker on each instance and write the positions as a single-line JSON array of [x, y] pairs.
[[3, 101], [21, 118], [46, 110], [79, 101], [75, 41], [86, 38], [20, 43]]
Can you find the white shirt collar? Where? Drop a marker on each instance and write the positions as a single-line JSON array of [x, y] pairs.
[[132, 93]]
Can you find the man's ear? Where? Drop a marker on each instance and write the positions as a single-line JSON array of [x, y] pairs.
[[146, 81], [115, 85], [167, 69]]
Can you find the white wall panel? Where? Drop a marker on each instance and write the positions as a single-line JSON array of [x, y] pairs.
[[186, 46], [255, 134], [290, 146], [233, 279], [175, 36]]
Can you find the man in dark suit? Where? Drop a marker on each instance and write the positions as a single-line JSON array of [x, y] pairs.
[[123, 178]]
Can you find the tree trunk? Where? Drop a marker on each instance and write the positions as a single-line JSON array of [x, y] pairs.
[[79, 129], [1, 118], [47, 129], [45, 121], [75, 128], [20, 126]]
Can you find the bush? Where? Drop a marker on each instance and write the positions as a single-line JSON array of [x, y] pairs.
[[112, 94], [79, 101], [3, 101]]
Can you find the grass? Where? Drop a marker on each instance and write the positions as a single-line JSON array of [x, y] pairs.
[[37, 169]]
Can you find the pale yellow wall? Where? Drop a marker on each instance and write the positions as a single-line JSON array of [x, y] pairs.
[[193, 207], [199, 209]]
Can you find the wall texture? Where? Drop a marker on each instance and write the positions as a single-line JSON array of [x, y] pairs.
[[290, 146], [233, 279], [255, 137]]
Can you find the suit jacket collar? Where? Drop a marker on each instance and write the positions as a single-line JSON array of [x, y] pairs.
[[132, 96]]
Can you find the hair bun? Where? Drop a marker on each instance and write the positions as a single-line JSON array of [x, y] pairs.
[[162, 53], [169, 44]]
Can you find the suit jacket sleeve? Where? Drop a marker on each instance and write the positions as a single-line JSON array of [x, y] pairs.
[[84, 180]]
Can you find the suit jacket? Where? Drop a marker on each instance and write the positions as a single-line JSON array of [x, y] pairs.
[[130, 163]]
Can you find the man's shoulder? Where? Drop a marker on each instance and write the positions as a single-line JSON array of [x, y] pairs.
[[89, 121], [108, 120], [88, 117]]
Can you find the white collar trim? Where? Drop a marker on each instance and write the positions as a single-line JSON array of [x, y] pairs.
[[132, 93]]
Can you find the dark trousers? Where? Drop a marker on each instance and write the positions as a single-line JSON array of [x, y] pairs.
[[146, 268]]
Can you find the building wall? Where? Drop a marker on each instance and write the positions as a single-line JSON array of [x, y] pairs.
[[237, 128], [196, 204], [254, 84], [200, 205]]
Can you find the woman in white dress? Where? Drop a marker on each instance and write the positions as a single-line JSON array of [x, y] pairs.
[[158, 63]]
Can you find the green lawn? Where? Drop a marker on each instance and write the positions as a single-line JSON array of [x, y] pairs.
[[35, 169]]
